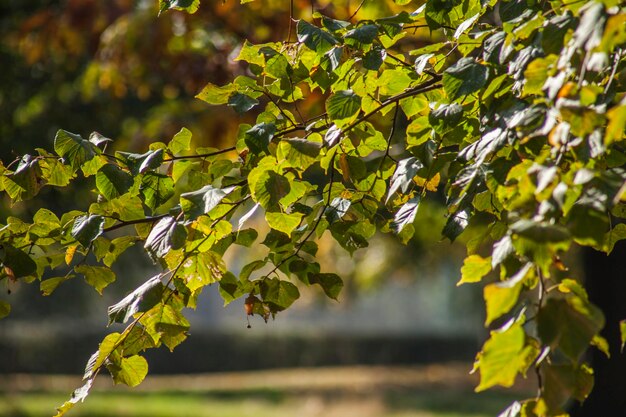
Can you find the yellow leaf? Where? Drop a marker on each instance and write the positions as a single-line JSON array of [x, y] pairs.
[[431, 184], [69, 253], [475, 267]]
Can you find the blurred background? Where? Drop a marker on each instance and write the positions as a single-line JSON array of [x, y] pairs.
[[400, 341]]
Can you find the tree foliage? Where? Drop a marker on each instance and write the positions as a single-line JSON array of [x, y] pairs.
[[516, 111]]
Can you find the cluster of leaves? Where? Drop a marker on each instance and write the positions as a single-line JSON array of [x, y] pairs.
[[517, 111]]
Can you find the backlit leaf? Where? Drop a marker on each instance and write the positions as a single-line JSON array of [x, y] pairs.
[[112, 181], [189, 6], [343, 106], [283, 222], [502, 357], [5, 309], [501, 297], [96, 276], [475, 267], [129, 371], [74, 148]]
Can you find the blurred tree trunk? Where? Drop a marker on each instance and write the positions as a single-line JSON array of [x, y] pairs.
[[606, 284]]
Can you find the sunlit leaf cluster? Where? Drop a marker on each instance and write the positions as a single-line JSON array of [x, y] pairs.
[[516, 112]]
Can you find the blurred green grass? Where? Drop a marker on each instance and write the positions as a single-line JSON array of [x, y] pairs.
[[436, 390], [439, 403]]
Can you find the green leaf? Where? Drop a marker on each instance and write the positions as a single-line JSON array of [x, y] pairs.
[[622, 332], [334, 57], [166, 235], [331, 24], [601, 344], [169, 323], [465, 25], [79, 394], [141, 163], [465, 77], [314, 38], [242, 102], [156, 189], [26, 181], [258, 137], [364, 34], [569, 324], [438, 12], [502, 357], [5, 309], [564, 381], [16, 262], [332, 284], [202, 269], [230, 288], [343, 106], [246, 237], [46, 220], [180, 142], [129, 371], [501, 297], [279, 294], [48, 286], [98, 139], [199, 202], [475, 267], [455, 224], [374, 58], [116, 247], [299, 153], [268, 188], [87, 228], [406, 215], [96, 276], [616, 125], [216, 95], [393, 82], [74, 148], [502, 249], [337, 209], [112, 181], [126, 208], [540, 231], [143, 298], [446, 116], [55, 172], [189, 6], [403, 176], [283, 222]]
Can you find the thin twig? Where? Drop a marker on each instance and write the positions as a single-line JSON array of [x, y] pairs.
[[356, 11], [131, 222], [202, 155], [290, 21], [420, 89]]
